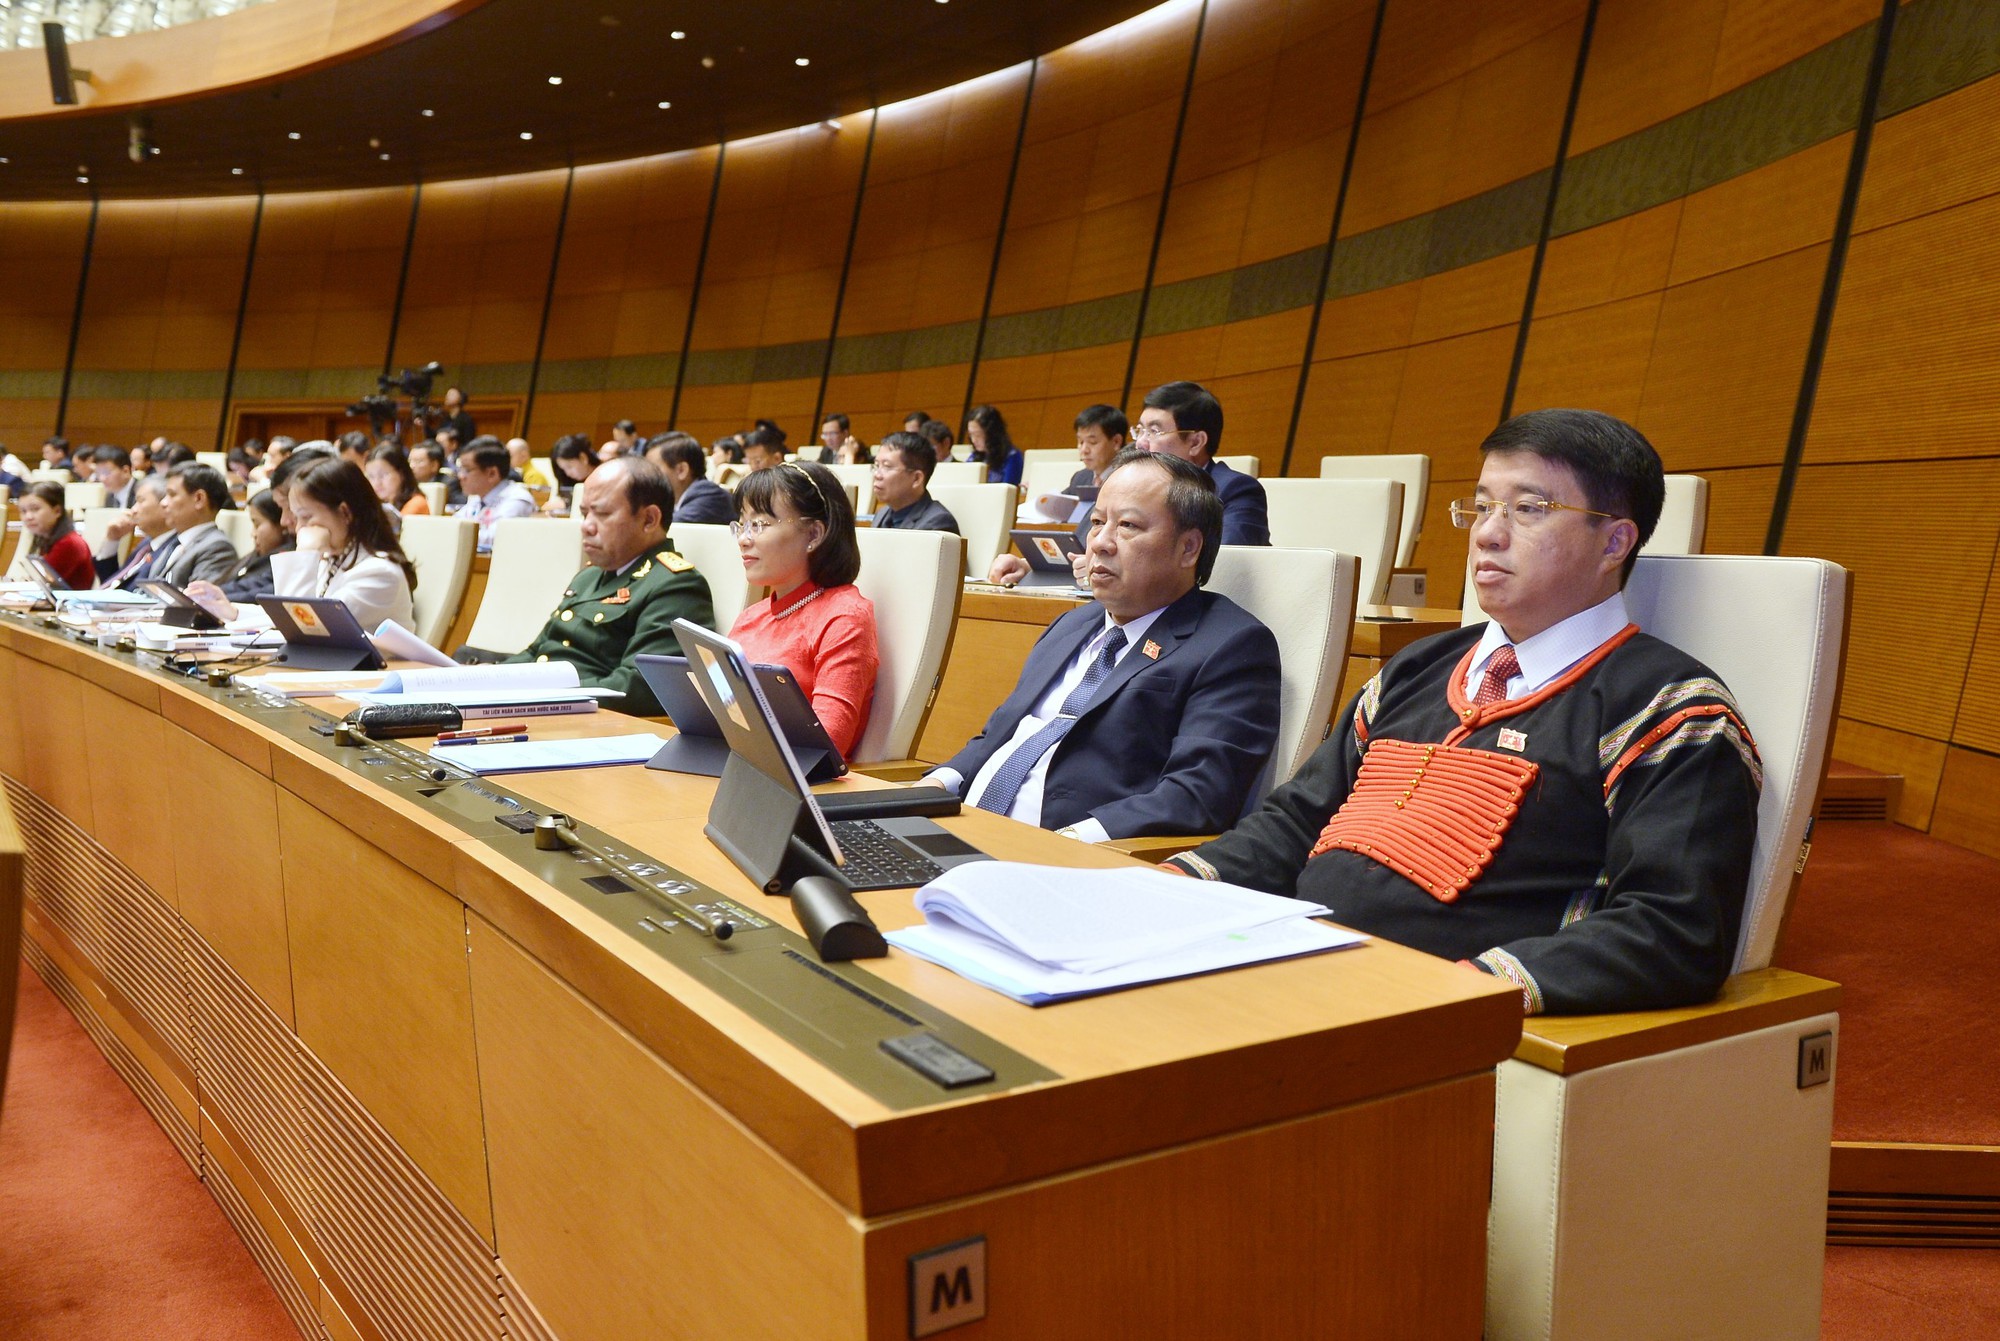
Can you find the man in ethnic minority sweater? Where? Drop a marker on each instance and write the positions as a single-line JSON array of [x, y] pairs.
[[1554, 797]]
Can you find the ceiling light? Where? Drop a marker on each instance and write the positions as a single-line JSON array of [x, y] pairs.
[[236, 172], [527, 134], [292, 135], [801, 61], [383, 157], [663, 107], [677, 35], [555, 79], [429, 112], [5, 160], [708, 62], [84, 180]]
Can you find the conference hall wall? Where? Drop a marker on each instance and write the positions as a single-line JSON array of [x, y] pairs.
[[1372, 225]]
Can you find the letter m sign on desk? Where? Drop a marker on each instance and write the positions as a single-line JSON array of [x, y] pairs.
[[947, 1287]]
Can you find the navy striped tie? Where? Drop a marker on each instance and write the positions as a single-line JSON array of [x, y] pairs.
[[1005, 787]]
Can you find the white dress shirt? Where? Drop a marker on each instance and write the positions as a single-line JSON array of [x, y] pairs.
[[509, 498], [1028, 801], [1554, 650]]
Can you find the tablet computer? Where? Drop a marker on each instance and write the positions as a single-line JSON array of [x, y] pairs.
[[321, 634], [700, 746], [182, 610], [1048, 554]]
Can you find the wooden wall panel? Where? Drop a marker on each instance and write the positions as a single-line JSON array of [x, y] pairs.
[[479, 270], [158, 318], [781, 225], [1040, 394], [323, 292], [1758, 36], [1093, 164], [41, 254], [1965, 811]]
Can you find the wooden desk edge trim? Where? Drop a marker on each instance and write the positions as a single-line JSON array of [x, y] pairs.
[[1750, 1001], [1885, 1168]]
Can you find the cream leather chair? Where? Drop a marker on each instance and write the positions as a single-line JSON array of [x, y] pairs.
[[1682, 526], [436, 493], [1664, 1174], [862, 481], [1243, 465], [712, 550], [985, 514], [1412, 468], [816, 452], [1044, 472], [220, 460], [961, 472], [95, 523], [533, 561], [441, 550], [913, 579], [236, 524], [42, 473], [1306, 598], [1358, 517], [80, 498]]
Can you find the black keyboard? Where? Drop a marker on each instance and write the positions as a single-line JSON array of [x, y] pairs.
[[877, 859]]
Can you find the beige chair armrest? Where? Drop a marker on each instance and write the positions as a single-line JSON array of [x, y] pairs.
[[1160, 846], [1567, 1044], [894, 770]]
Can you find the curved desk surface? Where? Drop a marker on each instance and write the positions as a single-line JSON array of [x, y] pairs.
[[442, 1096]]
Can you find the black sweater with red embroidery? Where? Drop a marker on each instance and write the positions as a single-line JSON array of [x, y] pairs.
[[1618, 885]]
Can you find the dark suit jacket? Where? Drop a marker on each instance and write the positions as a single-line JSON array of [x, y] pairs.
[[1246, 516], [705, 502], [926, 514], [1170, 743], [209, 558]]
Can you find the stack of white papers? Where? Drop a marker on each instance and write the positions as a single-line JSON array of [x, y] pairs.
[[536, 688], [1043, 933], [539, 756]]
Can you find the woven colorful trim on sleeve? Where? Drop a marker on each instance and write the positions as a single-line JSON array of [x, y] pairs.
[[1688, 728], [1187, 863], [1503, 965]]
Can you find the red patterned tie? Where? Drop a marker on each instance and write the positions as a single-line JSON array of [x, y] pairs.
[[1503, 667]]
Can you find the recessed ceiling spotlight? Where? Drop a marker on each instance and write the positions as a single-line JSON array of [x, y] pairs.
[[663, 107], [292, 135], [85, 180], [429, 112], [708, 62], [555, 79], [527, 134], [236, 172], [4, 160], [801, 60], [374, 142], [677, 35]]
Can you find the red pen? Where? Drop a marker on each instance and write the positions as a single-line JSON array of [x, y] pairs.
[[474, 732]]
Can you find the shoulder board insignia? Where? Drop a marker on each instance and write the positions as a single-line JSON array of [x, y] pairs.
[[675, 563]]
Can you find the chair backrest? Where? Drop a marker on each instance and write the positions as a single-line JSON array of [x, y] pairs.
[[1683, 524], [96, 527], [533, 560], [712, 551], [438, 494], [1358, 517], [1045, 472], [985, 515], [547, 465], [1243, 465], [236, 524], [440, 549], [220, 460], [816, 452], [80, 498], [1683, 521], [50, 474], [1306, 598], [960, 472], [912, 577], [863, 481], [251, 488], [1412, 468], [1774, 630]]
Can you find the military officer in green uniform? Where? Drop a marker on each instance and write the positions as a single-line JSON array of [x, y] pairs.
[[625, 603]]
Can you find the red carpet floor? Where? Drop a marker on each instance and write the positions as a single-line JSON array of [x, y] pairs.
[[105, 1232], [1910, 929], [1911, 1294]]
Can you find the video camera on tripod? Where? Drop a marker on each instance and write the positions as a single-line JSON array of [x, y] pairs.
[[381, 408]]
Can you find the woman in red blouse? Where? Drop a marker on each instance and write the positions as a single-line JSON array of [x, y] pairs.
[[52, 536], [795, 529]]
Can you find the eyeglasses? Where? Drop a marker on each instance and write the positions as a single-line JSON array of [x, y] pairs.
[[755, 527], [1526, 513], [1148, 432]]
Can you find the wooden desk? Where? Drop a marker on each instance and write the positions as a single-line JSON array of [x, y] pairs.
[[997, 627], [433, 1092]]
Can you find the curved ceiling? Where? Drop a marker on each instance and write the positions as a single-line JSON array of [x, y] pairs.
[[478, 96]]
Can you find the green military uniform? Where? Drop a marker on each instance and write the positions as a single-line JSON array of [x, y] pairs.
[[606, 619]]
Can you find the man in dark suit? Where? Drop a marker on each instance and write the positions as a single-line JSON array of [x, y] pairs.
[[114, 472], [199, 551], [901, 477], [697, 498], [147, 517], [1184, 419], [1153, 708]]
